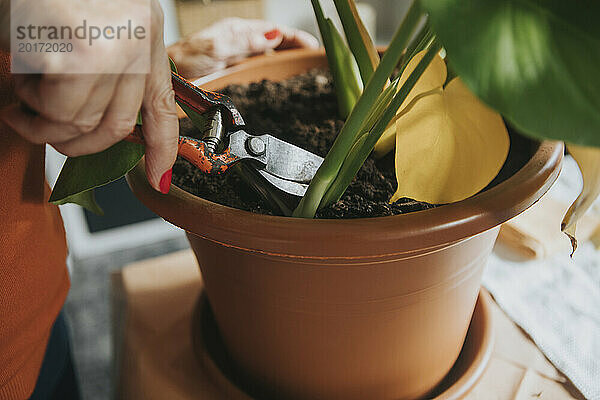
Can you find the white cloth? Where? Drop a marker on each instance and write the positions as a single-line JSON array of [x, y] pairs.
[[556, 300]]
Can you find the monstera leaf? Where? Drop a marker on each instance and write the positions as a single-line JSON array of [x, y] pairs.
[[536, 62]]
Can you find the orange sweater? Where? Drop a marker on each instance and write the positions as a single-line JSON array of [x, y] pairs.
[[33, 276]]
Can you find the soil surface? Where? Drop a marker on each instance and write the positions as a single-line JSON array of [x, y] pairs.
[[302, 110]]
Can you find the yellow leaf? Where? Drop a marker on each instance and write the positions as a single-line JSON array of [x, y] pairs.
[[588, 160], [449, 146], [433, 77]]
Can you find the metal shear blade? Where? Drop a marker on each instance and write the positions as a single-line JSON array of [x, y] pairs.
[[284, 165]]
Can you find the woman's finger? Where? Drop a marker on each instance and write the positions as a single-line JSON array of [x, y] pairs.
[[295, 38], [263, 35], [160, 123], [231, 40], [27, 89], [36, 128], [118, 121], [59, 98], [39, 129], [88, 118]]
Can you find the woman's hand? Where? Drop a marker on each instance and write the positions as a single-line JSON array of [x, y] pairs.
[[230, 41], [82, 114]]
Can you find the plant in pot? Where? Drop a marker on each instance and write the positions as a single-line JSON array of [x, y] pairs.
[[379, 307]]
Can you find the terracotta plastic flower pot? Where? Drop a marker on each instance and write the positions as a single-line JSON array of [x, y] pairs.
[[374, 308]]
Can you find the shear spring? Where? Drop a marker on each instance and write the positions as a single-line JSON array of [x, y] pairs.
[[215, 131]]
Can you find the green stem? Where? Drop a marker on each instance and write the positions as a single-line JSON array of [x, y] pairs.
[[359, 154], [420, 42], [346, 74], [333, 162], [382, 103], [412, 103], [321, 22]]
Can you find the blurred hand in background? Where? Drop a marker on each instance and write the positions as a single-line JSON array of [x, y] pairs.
[[230, 41]]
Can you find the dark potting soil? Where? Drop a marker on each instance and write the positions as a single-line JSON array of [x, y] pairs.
[[302, 111]]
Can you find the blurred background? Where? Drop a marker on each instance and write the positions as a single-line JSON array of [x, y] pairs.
[[130, 232]]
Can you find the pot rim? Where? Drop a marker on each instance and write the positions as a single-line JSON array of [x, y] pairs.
[[365, 237]]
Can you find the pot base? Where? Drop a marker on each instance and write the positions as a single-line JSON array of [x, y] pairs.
[[463, 376]]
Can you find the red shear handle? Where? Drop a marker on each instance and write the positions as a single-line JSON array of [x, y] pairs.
[[202, 100], [195, 151]]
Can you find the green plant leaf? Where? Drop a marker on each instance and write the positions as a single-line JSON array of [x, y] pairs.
[[85, 199], [82, 174], [536, 62], [360, 42], [346, 76]]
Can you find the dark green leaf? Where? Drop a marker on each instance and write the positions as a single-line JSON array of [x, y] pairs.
[[534, 61], [85, 199], [81, 174], [199, 120]]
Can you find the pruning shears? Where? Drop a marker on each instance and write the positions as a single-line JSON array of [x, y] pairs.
[[225, 143]]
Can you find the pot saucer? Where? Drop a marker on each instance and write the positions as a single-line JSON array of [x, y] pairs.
[[463, 376]]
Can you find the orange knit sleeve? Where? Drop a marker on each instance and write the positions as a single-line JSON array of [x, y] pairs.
[[33, 276]]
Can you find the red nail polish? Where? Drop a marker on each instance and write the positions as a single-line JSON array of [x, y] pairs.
[[165, 181], [272, 34]]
